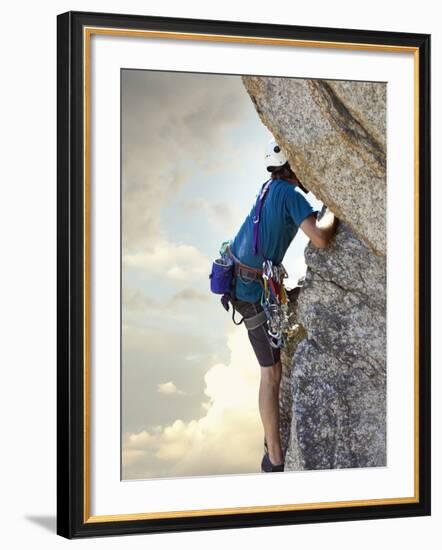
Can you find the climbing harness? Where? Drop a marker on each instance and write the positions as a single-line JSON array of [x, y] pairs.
[[274, 301]]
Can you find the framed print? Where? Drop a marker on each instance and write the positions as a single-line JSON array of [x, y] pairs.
[[243, 274]]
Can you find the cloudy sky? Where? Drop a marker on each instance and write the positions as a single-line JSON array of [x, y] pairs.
[[192, 164]]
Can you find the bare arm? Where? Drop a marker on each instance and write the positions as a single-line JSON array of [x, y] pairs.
[[320, 232]]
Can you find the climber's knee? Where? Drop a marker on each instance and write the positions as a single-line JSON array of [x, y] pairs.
[[271, 375]]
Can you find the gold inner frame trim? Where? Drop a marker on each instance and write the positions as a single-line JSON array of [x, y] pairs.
[[87, 33], [416, 274], [249, 39]]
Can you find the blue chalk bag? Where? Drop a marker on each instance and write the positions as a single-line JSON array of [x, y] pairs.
[[221, 277]]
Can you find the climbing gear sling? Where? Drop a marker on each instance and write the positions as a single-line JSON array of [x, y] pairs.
[[257, 214]]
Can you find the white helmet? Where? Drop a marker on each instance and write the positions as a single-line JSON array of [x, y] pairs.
[[274, 155]]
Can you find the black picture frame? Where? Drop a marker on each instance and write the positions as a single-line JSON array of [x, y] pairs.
[[72, 513]]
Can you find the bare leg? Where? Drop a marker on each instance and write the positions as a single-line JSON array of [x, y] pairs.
[[269, 410]]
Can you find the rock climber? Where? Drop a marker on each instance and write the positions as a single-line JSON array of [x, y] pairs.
[[282, 211]]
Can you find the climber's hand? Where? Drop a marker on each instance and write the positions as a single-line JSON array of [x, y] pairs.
[[320, 232]]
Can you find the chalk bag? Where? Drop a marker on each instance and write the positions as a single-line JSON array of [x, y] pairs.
[[221, 277]]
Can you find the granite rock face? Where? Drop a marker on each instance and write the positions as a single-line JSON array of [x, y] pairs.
[[333, 133], [338, 371], [333, 389]]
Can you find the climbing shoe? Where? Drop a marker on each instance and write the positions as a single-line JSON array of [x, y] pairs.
[[267, 466]]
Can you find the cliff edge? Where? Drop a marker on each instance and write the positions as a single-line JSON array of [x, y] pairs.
[[333, 391]]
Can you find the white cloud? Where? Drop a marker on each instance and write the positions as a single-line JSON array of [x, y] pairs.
[[219, 213], [136, 300], [177, 262], [226, 439], [130, 456], [188, 295], [169, 388], [166, 135]]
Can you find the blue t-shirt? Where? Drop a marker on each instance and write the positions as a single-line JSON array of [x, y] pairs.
[[283, 211]]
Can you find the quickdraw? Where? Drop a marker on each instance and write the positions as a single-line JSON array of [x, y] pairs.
[[275, 302]]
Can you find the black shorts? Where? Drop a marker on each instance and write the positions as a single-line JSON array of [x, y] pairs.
[[266, 354]]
